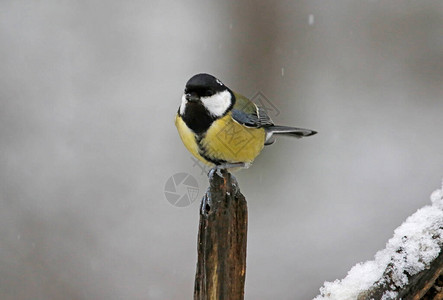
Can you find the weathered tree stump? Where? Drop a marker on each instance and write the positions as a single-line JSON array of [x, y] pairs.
[[221, 265]]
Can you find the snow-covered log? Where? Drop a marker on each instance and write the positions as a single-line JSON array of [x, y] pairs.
[[410, 267]]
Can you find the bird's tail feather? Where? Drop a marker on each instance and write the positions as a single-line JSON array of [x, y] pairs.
[[293, 131], [286, 130]]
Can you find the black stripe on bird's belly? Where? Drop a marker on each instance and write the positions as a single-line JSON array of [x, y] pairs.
[[197, 118], [204, 152]]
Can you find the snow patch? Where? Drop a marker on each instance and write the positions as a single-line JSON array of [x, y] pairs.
[[437, 197], [389, 295], [415, 244]]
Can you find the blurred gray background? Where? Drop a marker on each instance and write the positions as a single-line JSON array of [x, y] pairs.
[[88, 94]]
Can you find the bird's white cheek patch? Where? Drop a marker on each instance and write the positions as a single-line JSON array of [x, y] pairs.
[[217, 104], [183, 105]]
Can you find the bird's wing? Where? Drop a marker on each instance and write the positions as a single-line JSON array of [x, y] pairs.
[[247, 113]]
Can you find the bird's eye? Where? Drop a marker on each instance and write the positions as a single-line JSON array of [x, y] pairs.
[[209, 93]]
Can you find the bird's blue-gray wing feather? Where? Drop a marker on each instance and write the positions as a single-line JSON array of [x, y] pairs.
[[258, 119]]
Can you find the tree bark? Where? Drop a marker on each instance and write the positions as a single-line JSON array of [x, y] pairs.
[[221, 265], [423, 285]]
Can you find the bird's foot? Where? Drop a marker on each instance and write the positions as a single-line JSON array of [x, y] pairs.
[[222, 168]]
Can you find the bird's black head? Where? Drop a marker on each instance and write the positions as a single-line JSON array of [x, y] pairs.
[[203, 85], [205, 99]]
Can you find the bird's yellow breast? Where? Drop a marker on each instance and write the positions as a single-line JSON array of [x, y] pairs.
[[188, 138], [225, 140]]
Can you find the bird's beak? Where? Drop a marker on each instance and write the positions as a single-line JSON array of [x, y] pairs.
[[192, 97]]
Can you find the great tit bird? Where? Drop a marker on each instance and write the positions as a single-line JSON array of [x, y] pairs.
[[224, 129]]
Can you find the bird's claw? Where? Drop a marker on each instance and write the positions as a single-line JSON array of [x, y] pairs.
[[220, 169]]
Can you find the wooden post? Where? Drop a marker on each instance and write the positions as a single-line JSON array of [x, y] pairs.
[[221, 265]]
